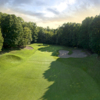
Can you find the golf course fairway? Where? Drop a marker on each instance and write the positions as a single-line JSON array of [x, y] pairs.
[[39, 74]]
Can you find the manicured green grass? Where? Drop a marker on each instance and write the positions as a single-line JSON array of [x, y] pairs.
[[39, 74]]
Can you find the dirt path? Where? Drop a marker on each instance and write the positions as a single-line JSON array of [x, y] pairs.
[[75, 54]]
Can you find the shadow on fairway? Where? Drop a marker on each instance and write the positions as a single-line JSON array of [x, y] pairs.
[[72, 81]]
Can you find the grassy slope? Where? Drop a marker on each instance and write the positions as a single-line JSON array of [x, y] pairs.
[[39, 75]]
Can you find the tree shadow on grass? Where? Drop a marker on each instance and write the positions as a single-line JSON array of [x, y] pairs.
[[70, 82]]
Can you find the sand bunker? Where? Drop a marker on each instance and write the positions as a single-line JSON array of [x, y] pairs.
[[28, 47], [75, 54]]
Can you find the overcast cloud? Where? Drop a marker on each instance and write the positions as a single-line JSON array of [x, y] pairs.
[[51, 12]]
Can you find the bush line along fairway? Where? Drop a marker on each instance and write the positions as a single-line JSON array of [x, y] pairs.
[[39, 74]]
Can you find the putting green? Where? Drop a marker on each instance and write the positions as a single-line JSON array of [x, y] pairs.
[[38, 74]]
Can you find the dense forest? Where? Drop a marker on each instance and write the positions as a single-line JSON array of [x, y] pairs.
[[15, 32]]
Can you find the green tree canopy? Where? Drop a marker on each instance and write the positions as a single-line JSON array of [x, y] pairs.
[[33, 27], [12, 31], [1, 40], [95, 35], [84, 33], [27, 38]]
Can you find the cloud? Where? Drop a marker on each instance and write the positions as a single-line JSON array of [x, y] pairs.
[[40, 3], [95, 2], [33, 14], [30, 2], [19, 2], [4, 2], [53, 11]]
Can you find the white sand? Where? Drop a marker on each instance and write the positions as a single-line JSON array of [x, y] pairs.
[[75, 54], [28, 47]]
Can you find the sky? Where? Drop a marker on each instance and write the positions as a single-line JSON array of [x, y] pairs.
[[52, 13]]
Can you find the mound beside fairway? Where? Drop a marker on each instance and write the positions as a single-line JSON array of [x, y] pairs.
[[13, 57], [40, 74], [9, 58], [76, 54]]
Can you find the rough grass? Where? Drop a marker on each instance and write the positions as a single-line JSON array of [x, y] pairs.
[[38, 74]]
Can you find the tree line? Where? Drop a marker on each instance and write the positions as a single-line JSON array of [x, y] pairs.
[[15, 32]]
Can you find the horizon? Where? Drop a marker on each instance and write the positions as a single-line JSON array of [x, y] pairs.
[[51, 13]]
